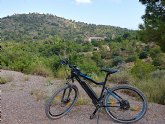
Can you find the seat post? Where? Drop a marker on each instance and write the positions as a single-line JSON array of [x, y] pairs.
[[104, 83], [106, 77]]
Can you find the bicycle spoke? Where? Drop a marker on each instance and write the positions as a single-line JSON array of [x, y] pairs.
[[61, 102], [131, 107]]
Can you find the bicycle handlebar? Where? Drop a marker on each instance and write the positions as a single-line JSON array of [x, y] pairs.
[[65, 62]]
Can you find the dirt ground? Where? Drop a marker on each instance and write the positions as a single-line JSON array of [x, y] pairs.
[[23, 99]]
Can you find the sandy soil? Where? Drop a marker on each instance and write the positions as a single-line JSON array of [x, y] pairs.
[[23, 99]]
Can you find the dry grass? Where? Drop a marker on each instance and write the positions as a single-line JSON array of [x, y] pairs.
[[4, 80], [121, 78], [38, 94], [49, 81], [153, 89], [42, 71], [82, 101], [26, 77]]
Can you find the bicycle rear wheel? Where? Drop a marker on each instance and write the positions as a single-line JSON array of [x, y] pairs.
[[125, 104], [61, 102]]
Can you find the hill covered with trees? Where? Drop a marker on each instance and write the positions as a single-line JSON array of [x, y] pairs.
[[34, 26], [143, 64]]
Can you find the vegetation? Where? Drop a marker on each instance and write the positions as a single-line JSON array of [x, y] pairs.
[[143, 64], [38, 94], [34, 27], [142, 70], [82, 101], [4, 80], [152, 87], [153, 29]]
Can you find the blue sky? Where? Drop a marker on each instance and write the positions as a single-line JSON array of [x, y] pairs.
[[122, 13]]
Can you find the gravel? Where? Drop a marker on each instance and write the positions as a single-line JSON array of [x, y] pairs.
[[23, 99]]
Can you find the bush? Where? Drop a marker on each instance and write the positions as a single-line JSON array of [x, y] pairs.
[[61, 72], [143, 55], [116, 60], [159, 61], [156, 62], [96, 56], [88, 66], [131, 58], [142, 70], [40, 67], [154, 52]]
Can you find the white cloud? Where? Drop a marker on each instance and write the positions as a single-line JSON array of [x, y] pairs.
[[83, 1]]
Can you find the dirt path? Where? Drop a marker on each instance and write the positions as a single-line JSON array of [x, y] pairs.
[[22, 102]]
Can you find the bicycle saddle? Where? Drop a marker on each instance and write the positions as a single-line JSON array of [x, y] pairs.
[[110, 71]]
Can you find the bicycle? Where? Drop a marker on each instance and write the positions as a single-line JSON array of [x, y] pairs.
[[123, 103]]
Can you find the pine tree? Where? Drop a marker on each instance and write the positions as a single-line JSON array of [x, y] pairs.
[[153, 29]]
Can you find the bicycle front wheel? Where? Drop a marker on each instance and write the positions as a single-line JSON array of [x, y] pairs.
[[125, 104], [61, 102]]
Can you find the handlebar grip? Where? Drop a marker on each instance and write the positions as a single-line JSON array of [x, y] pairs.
[[63, 62], [72, 66]]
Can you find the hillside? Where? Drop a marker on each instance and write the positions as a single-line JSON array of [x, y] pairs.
[[141, 63], [34, 26]]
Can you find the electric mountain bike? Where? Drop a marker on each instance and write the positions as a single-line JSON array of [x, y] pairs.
[[123, 103]]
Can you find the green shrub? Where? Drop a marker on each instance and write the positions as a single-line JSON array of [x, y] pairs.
[[116, 60], [159, 61], [143, 55], [156, 62], [142, 70], [61, 72], [88, 66], [96, 56], [154, 52], [131, 58], [20, 65]]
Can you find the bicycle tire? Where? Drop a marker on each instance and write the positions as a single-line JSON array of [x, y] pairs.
[[115, 112], [58, 104]]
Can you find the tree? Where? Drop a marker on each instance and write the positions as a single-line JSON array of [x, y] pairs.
[[153, 29], [126, 35]]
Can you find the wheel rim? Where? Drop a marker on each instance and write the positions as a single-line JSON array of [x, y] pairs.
[[131, 109], [62, 102]]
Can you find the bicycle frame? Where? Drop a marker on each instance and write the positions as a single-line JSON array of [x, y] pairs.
[[75, 73], [114, 97], [95, 99]]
